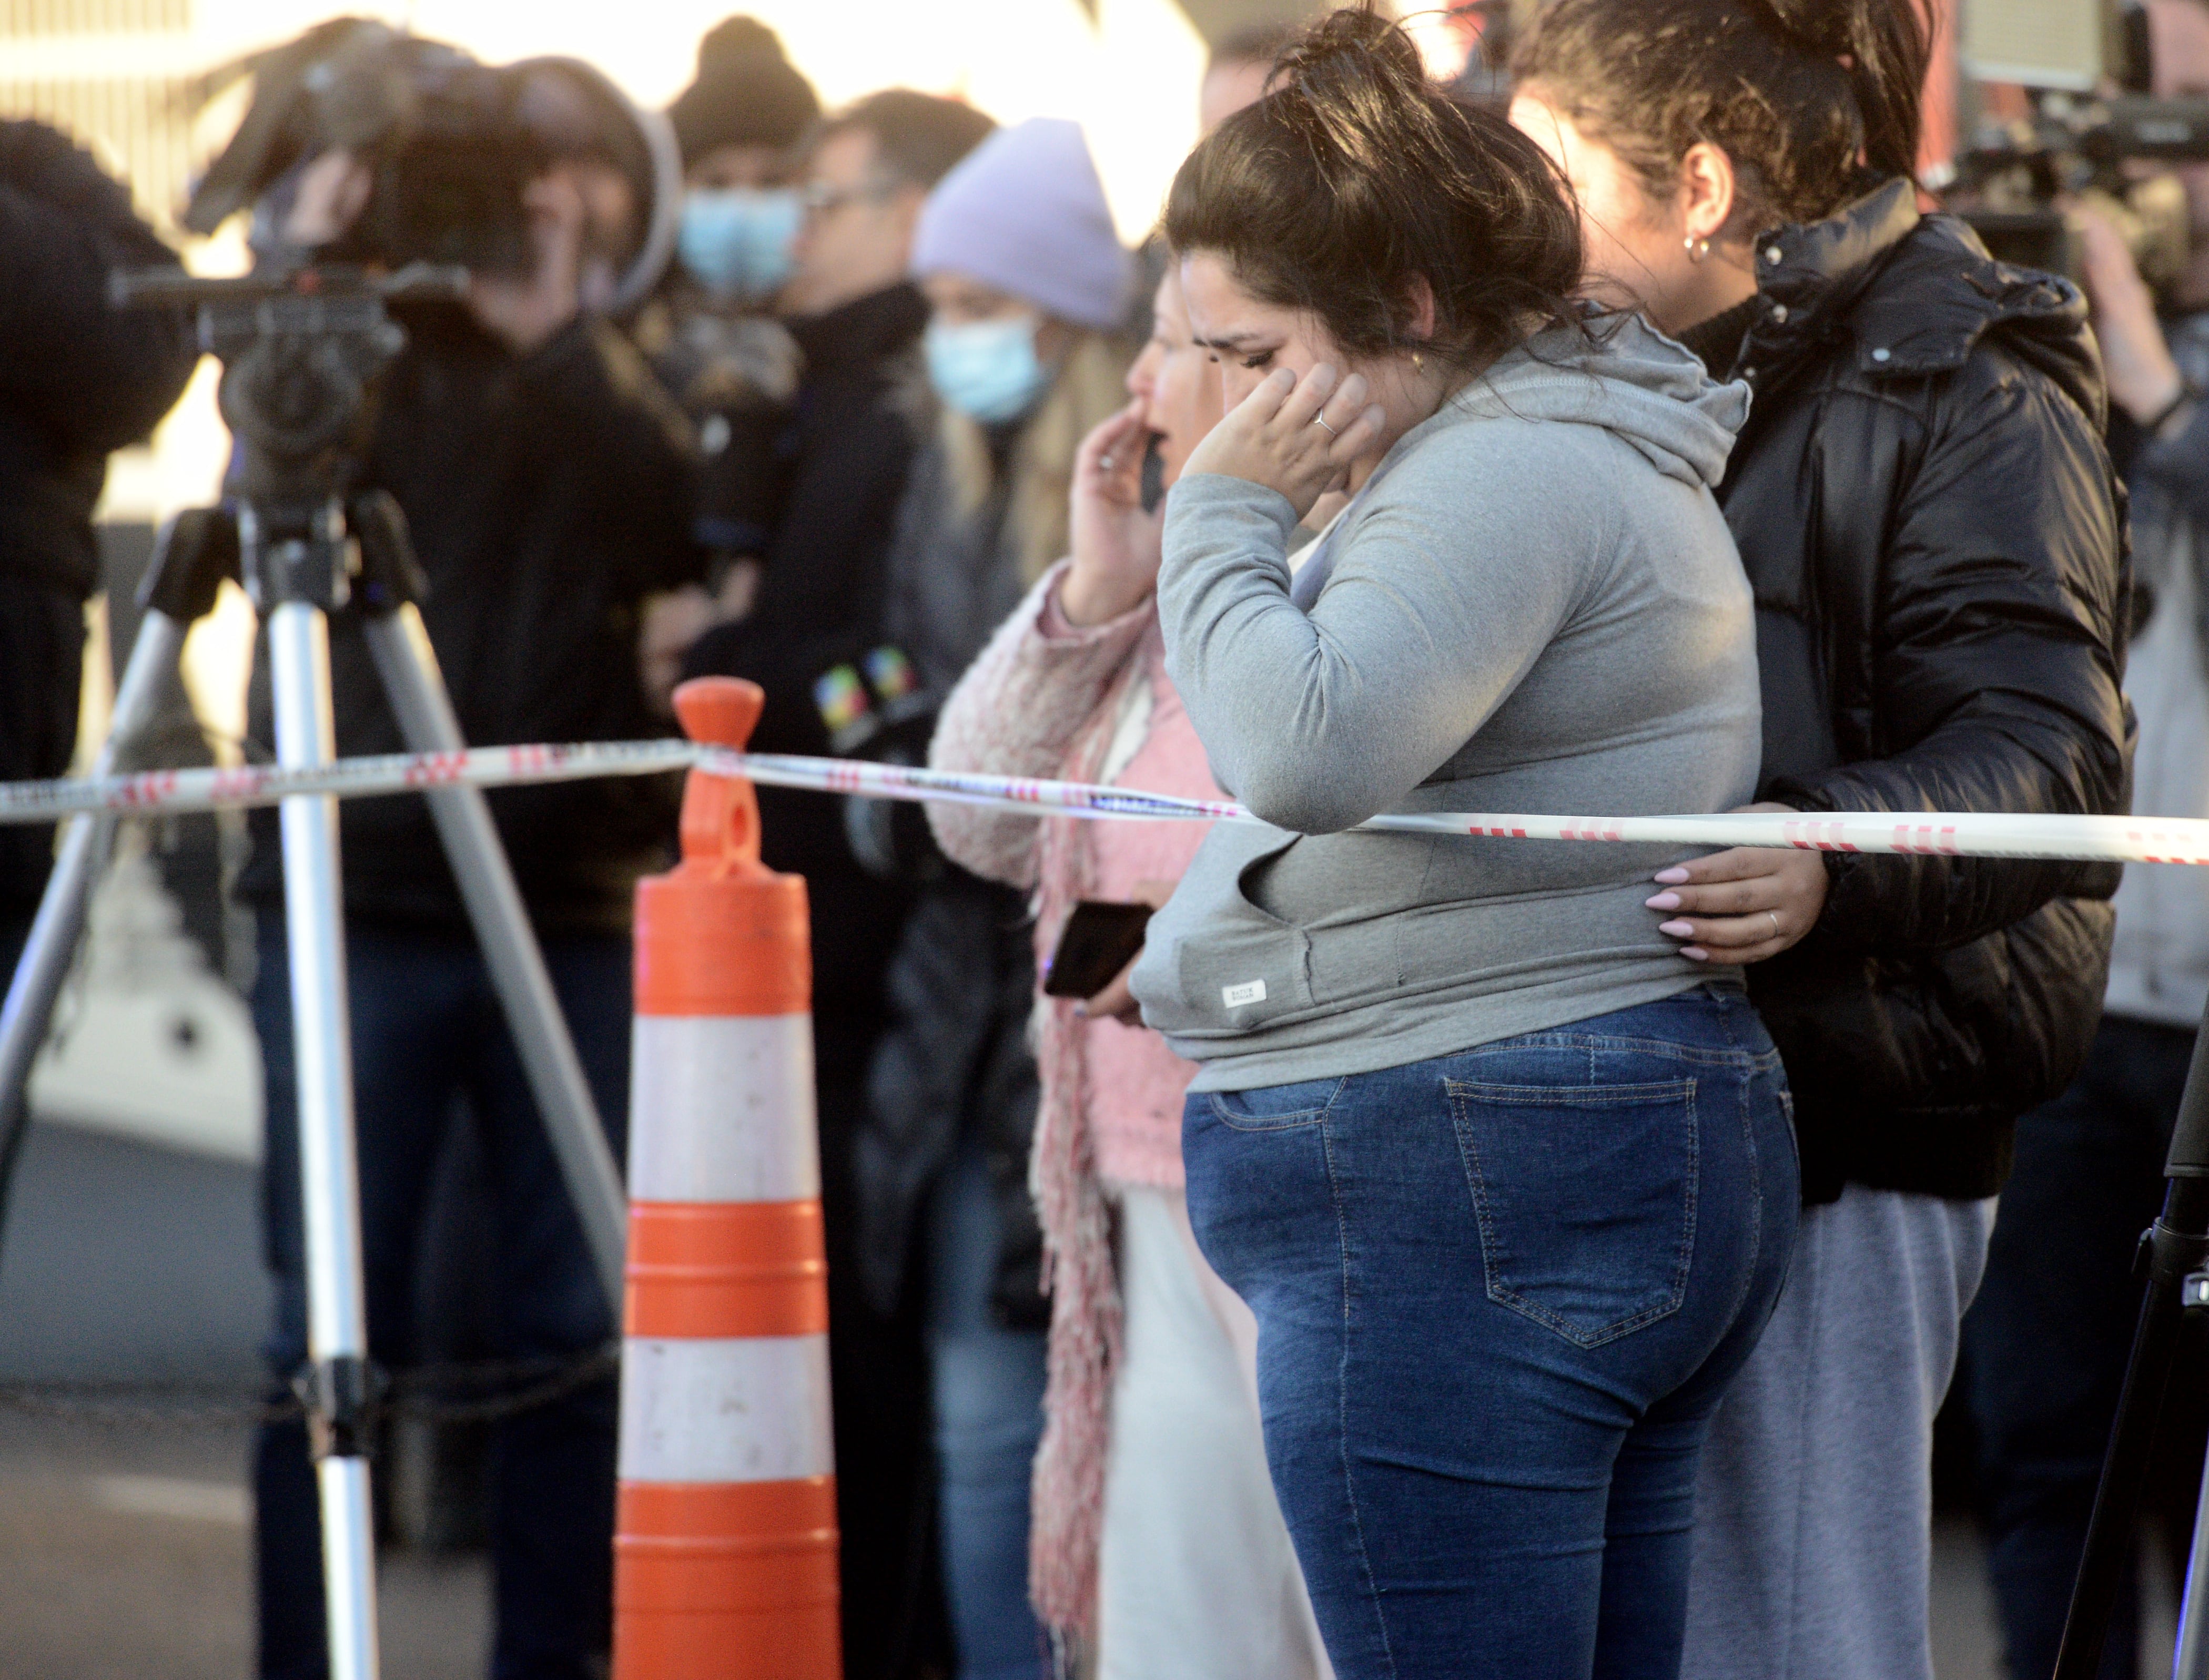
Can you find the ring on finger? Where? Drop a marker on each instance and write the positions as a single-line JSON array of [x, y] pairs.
[[1320, 420], [1774, 915]]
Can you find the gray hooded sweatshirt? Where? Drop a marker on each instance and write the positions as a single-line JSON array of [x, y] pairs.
[[1534, 607]]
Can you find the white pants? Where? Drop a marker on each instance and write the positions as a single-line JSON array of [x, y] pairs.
[[1815, 1504], [1197, 1580]]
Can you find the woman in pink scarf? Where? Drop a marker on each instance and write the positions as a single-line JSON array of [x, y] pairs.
[[1156, 1537]]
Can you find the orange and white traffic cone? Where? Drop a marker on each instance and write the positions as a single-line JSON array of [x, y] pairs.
[[725, 1561]]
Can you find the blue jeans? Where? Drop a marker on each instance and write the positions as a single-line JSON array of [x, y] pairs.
[[1498, 1295], [427, 1030], [987, 1388]]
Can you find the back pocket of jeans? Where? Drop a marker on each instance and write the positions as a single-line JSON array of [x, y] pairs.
[[1585, 1197]]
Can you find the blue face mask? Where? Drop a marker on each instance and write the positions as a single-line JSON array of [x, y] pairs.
[[737, 241], [986, 369]]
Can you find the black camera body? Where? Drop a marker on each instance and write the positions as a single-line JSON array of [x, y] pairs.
[[450, 169], [2090, 124], [2009, 185], [442, 138], [450, 147]]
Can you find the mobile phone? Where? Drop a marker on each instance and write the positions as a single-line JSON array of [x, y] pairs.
[[1154, 483], [1099, 940]]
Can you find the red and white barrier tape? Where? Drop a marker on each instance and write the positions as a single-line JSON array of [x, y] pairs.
[[1911, 833], [167, 791]]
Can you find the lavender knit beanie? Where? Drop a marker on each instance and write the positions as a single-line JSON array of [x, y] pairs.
[[1025, 213]]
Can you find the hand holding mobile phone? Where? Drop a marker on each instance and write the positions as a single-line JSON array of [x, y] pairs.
[[1099, 940]]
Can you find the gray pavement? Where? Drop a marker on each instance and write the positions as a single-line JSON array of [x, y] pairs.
[[120, 1259], [126, 1551]]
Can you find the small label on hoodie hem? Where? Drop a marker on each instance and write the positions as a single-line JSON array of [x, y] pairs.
[[1249, 991]]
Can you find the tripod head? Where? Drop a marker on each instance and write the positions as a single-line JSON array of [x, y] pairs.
[[301, 351]]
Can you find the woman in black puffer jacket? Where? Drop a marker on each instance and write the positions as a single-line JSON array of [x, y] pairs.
[[1930, 523]]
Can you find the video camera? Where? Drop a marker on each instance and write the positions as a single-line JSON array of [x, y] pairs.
[[449, 146], [2086, 72]]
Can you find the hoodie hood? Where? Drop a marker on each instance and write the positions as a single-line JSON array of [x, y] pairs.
[[1628, 378]]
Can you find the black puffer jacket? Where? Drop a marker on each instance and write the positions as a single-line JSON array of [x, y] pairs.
[[77, 379], [1935, 536]]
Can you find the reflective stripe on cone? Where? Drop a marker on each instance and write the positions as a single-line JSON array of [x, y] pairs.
[[747, 1409], [725, 1550]]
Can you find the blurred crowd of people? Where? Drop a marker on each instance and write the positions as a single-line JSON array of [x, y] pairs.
[[1425, 1258]]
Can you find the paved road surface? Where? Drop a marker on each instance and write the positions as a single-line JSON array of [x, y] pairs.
[[127, 1552]]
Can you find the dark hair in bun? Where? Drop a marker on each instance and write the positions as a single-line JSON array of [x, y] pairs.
[[1356, 178], [1808, 97]]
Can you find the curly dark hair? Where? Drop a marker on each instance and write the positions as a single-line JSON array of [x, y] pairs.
[[1356, 178], [1810, 99]]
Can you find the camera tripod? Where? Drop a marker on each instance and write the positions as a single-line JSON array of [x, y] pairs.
[[300, 353]]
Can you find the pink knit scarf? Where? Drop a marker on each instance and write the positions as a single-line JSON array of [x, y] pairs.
[[1069, 1490]]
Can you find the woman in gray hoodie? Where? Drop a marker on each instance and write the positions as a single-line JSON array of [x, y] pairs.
[[1507, 1182]]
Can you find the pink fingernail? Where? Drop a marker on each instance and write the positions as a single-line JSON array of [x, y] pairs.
[[1662, 901], [1678, 930], [1674, 876], [1694, 953]]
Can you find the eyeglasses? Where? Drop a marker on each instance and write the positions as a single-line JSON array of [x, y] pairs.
[[822, 200]]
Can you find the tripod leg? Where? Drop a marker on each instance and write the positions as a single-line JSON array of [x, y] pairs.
[[409, 668], [337, 1317], [86, 843], [2193, 1658]]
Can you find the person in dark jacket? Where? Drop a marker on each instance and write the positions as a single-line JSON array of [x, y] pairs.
[[862, 411], [1933, 534], [711, 334], [78, 379], [547, 483]]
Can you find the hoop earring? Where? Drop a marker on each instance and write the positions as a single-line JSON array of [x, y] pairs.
[[1697, 249], [1418, 362]]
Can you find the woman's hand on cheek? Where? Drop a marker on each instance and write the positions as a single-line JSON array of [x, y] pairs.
[[1298, 436], [1116, 543]]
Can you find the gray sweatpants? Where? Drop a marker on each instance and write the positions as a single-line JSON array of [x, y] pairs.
[[1814, 1510]]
